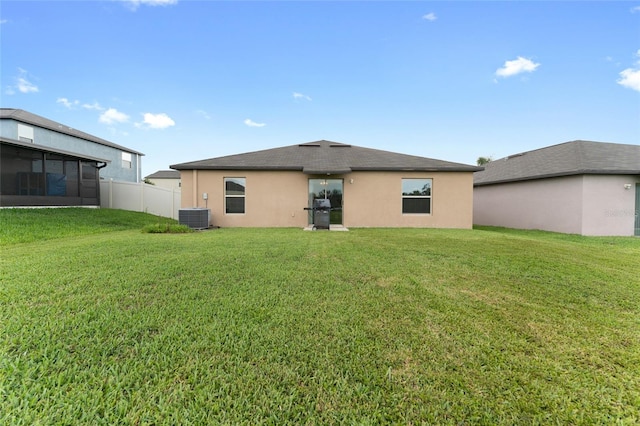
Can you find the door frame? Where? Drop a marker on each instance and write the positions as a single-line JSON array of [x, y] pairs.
[[336, 216], [637, 212]]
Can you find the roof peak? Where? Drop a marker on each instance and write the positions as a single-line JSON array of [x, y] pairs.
[[574, 142], [324, 143], [325, 157], [577, 157]]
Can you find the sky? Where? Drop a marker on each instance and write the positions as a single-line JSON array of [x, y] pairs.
[[187, 80]]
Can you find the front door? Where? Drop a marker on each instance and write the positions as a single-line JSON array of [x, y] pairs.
[[637, 231], [330, 189]]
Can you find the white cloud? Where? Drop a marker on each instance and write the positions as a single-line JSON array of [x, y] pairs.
[[202, 113], [94, 106], [430, 17], [67, 103], [156, 2], [3, 21], [635, 9], [73, 104], [112, 116], [134, 4], [156, 121], [23, 85], [297, 96], [517, 66], [630, 77], [252, 123]]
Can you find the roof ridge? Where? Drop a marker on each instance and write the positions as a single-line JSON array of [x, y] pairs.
[[324, 160], [566, 159]]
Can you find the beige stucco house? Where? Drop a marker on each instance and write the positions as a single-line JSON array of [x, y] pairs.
[[169, 179], [366, 187], [578, 187]]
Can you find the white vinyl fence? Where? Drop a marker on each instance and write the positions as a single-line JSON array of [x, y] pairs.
[[140, 197]]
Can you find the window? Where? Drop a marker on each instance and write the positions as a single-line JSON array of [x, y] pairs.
[[89, 180], [25, 133], [71, 171], [21, 171], [55, 177], [416, 196], [27, 172], [126, 160], [234, 193]]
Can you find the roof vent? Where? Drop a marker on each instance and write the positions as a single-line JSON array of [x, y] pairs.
[[515, 155]]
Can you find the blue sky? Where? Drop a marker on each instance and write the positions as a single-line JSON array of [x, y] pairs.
[[188, 80]]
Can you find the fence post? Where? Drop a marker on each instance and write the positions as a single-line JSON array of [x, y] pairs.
[[111, 193], [142, 197], [173, 201]]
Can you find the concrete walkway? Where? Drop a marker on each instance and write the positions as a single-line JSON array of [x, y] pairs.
[[331, 228]]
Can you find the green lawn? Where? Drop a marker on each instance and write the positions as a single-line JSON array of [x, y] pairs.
[[103, 324]]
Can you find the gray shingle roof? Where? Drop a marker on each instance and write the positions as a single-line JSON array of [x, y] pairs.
[[164, 174], [565, 159], [36, 120], [324, 157]]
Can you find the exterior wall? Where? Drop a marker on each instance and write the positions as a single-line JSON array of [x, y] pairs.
[[166, 183], [9, 129], [609, 208], [374, 199], [547, 204], [46, 137], [272, 199], [593, 205]]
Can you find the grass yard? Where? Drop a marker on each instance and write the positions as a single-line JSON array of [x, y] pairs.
[[103, 324]]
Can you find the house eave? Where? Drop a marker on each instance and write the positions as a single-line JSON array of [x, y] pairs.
[[469, 169], [556, 175], [324, 171], [253, 168], [332, 171]]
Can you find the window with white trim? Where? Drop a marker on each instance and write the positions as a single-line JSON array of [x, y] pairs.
[[126, 160], [416, 196], [25, 133], [234, 195]]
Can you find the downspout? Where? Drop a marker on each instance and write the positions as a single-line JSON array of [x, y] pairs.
[[98, 167]]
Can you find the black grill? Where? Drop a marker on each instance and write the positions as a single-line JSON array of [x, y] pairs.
[[321, 213]]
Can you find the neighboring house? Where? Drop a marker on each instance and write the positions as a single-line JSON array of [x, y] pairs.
[[369, 188], [169, 179], [44, 163], [124, 164], [579, 187]]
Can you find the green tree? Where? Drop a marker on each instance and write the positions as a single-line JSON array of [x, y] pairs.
[[481, 161]]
